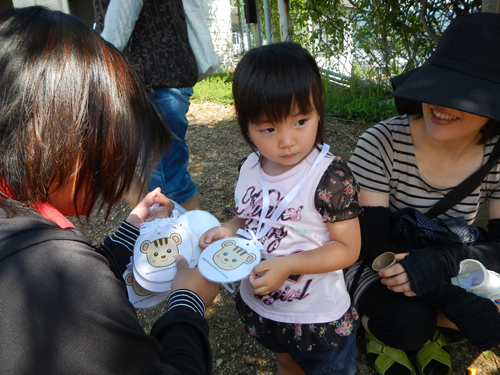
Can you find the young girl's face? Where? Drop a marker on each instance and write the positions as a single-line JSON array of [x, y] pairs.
[[283, 145]]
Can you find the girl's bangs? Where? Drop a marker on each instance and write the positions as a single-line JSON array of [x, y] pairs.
[[278, 108]]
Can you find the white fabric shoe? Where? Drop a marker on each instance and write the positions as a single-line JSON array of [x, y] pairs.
[[476, 279]]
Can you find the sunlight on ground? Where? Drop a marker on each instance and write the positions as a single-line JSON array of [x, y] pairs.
[[211, 310], [487, 363], [256, 361]]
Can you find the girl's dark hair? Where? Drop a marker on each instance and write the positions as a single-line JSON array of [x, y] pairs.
[[270, 80], [68, 99]]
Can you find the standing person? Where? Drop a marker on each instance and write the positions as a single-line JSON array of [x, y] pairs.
[[75, 126], [152, 34], [410, 162], [295, 302]]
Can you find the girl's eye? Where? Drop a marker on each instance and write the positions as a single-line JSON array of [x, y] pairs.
[[267, 130], [301, 122]]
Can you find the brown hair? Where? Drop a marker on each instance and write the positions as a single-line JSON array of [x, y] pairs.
[[69, 99]]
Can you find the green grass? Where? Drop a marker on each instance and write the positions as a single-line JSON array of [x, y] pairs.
[[358, 102], [216, 89]]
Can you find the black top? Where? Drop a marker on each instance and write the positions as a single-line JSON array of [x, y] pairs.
[[63, 311]]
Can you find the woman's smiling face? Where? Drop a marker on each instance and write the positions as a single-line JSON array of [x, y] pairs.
[[446, 124]]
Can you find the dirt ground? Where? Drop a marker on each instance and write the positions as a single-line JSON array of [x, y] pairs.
[[216, 147]]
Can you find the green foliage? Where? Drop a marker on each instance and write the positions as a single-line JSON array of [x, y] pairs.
[[389, 33], [322, 26], [310, 28], [392, 33], [361, 101], [217, 88], [386, 37]]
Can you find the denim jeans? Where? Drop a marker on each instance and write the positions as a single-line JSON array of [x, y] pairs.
[[339, 360], [171, 174]]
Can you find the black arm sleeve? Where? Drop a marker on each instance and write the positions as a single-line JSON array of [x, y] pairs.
[[182, 332], [375, 224], [121, 244], [69, 314], [476, 317], [183, 335]]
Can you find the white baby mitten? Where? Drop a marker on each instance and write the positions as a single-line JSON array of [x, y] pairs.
[[475, 278]]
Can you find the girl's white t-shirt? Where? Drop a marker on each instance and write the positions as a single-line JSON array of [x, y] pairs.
[[302, 299]]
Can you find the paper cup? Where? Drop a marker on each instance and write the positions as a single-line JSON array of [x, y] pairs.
[[384, 261]]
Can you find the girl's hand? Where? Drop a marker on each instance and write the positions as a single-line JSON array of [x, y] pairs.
[[396, 278], [212, 235], [269, 275], [141, 213]]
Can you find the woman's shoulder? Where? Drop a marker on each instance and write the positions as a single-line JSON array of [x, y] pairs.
[[33, 248], [393, 128], [386, 138], [28, 231], [24, 221]]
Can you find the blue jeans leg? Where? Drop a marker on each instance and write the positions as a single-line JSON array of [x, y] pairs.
[[171, 175], [339, 360]]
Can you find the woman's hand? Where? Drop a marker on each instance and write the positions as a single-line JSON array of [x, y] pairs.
[[191, 279], [141, 213], [396, 278], [269, 275], [212, 235]]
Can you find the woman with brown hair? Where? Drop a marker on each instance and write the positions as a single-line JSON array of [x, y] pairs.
[[75, 126]]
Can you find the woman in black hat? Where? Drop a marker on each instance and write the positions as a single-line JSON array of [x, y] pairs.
[[449, 126]]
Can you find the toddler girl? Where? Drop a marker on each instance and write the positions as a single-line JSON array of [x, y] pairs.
[[301, 203]]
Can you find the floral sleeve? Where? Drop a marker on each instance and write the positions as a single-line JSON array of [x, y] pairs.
[[336, 197]]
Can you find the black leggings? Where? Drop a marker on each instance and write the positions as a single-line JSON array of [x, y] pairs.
[[401, 322]]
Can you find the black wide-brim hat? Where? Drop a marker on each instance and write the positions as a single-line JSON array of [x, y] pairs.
[[463, 72]]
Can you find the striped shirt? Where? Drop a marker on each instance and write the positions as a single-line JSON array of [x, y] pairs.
[[384, 162]]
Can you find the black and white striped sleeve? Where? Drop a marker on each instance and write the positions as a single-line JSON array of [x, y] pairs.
[[121, 244], [126, 235], [186, 298]]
